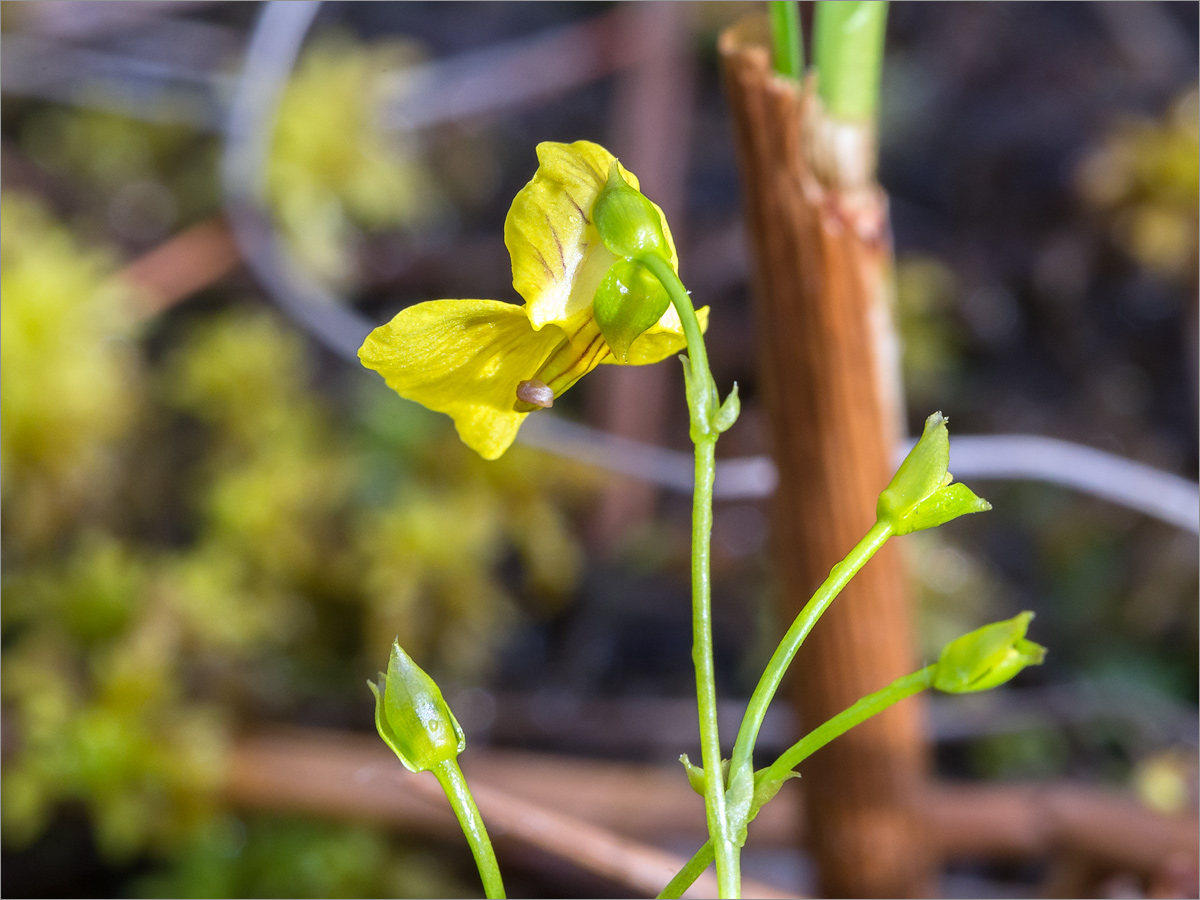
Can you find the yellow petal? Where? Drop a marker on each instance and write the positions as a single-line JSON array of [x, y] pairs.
[[660, 340], [579, 353], [464, 358], [558, 258]]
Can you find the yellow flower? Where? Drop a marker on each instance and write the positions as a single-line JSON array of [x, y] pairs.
[[488, 364]]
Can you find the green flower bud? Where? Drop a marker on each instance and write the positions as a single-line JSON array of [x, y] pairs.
[[987, 657], [923, 471], [412, 717], [629, 224], [628, 301], [921, 495]]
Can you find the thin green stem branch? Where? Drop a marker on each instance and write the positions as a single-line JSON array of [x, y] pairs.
[[702, 406], [686, 877], [865, 708], [768, 684], [450, 777], [787, 48], [868, 706], [848, 56]]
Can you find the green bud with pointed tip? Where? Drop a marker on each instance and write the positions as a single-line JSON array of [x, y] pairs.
[[987, 657], [628, 300], [629, 224], [923, 471], [921, 494], [412, 717]]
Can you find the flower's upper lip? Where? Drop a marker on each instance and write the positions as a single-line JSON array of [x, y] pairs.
[[557, 256]]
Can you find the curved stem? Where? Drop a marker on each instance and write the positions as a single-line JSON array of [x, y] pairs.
[[768, 684], [702, 405], [865, 708], [868, 706], [450, 777], [706, 389]]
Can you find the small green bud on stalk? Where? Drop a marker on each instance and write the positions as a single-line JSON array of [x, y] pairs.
[[921, 495], [987, 657], [628, 301], [412, 717], [629, 224]]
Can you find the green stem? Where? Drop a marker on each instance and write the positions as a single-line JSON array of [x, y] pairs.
[[848, 56], [702, 405], [685, 877], [743, 750], [787, 50], [450, 777], [865, 708], [868, 706], [728, 862]]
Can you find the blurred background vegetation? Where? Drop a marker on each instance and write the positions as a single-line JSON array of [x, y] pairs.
[[210, 525]]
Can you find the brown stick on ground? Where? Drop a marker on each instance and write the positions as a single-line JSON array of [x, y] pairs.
[[821, 249], [190, 261], [351, 776], [356, 777]]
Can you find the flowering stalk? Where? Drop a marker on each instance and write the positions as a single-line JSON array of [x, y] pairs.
[[707, 419], [450, 777]]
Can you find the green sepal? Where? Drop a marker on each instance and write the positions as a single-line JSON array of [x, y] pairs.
[[728, 412], [412, 717], [947, 503], [629, 224], [699, 428], [987, 657], [695, 774], [766, 788], [628, 301], [738, 803]]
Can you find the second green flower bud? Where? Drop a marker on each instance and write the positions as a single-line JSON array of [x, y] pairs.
[[628, 301], [987, 657], [412, 717], [629, 224]]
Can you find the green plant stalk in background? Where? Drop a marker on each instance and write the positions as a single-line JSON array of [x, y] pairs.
[[705, 428], [450, 777], [770, 778], [787, 43], [848, 56]]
